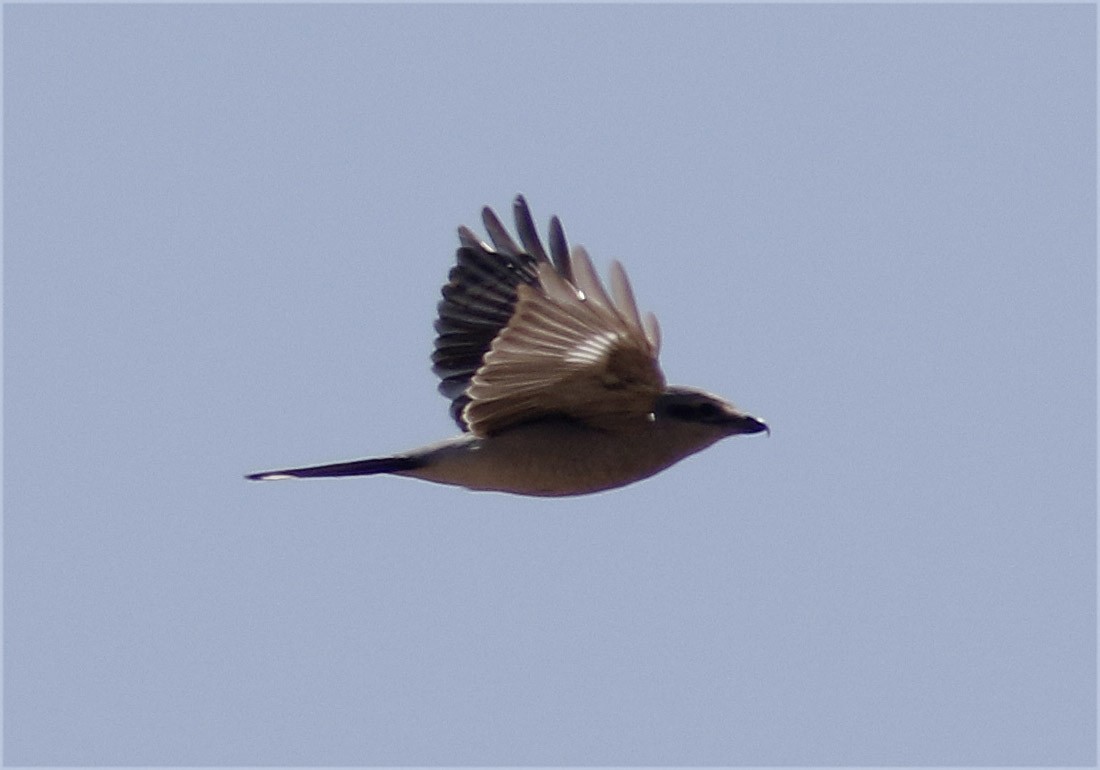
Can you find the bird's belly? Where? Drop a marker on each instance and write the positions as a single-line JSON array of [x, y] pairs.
[[554, 460]]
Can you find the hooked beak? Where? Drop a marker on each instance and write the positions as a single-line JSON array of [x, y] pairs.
[[747, 424]]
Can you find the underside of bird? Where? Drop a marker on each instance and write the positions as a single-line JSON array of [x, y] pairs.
[[554, 380]]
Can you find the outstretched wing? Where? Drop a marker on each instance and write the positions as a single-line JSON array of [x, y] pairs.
[[523, 335]]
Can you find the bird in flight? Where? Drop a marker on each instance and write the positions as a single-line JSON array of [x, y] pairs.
[[554, 381]]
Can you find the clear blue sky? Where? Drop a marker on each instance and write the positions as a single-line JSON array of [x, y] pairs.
[[225, 232]]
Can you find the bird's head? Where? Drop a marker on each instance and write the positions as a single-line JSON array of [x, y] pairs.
[[704, 411]]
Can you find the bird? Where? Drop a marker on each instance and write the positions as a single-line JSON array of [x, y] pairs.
[[553, 380]]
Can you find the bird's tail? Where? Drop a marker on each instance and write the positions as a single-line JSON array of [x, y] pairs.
[[352, 468]]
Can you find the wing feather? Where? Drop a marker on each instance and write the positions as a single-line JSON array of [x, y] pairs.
[[624, 296], [524, 335], [528, 233], [559, 249], [498, 234], [566, 356], [588, 282], [653, 331]]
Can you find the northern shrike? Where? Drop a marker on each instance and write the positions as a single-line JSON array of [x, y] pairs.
[[554, 382]]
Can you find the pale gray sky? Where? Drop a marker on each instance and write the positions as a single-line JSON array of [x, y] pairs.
[[225, 232]]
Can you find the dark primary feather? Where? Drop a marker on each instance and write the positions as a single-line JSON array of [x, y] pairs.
[[528, 232], [480, 295], [559, 250]]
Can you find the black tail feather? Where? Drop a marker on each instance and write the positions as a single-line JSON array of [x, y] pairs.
[[352, 468]]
